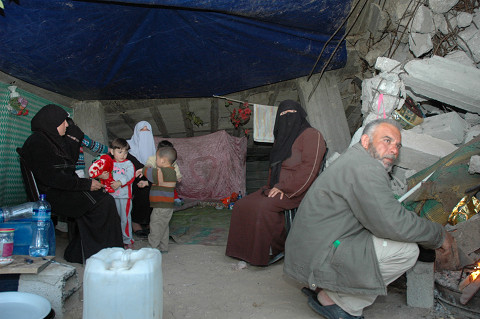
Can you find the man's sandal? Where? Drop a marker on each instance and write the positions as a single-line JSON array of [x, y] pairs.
[[329, 312], [309, 292]]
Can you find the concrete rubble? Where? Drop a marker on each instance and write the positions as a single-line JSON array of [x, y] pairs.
[[444, 80], [438, 79], [474, 165], [449, 127]]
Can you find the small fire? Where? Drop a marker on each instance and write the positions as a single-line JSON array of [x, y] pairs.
[[470, 278], [475, 274]]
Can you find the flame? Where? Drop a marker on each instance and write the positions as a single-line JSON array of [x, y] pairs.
[[475, 274]]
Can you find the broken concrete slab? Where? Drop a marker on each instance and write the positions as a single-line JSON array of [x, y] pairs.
[[377, 20], [378, 49], [460, 57], [470, 42], [472, 118], [471, 133], [440, 23], [384, 64], [403, 53], [441, 6], [449, 127], [390, 86], [464, 19], [444, 80], [420, 151], [423, 21], [420, 43]]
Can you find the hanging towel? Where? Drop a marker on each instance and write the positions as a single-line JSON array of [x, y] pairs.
[[263, 122]]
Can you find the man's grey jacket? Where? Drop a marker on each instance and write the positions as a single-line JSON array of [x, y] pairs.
[[330, 244]]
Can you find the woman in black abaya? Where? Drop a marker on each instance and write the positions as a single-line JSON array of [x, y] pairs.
[[51, 153], [257, 226]]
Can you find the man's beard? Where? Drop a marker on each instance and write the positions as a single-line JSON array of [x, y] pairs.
[[373, 152]]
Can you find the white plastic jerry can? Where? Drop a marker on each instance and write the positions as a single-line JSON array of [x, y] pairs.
[[120, 283]]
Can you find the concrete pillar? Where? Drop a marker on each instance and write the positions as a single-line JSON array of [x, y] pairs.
[[90, 117], [325, 110]]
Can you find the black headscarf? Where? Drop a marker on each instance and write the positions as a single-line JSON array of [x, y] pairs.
[[286, 130], [46, 121]]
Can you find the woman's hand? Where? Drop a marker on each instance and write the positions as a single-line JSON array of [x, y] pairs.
[[139, 172], [142, 184], [274, 191], [116, 184], [104, 175], [96, 185]]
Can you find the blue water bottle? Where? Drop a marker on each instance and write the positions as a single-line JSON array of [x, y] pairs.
[[40, 224]]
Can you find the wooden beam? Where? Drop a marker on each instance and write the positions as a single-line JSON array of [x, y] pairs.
[[469, 291], [214, 115], [157, 117], [110, 106], [187, 123]]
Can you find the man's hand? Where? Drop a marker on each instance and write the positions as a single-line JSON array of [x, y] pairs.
[[138, 173], [274, 191], [142, 184], [96, 185], [446, 257]]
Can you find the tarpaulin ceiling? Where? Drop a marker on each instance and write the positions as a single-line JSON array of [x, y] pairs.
[[97, 50]]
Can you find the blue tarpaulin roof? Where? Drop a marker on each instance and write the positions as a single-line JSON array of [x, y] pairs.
[[166, 49]]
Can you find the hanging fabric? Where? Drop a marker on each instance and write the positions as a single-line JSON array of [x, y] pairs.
[[263, 122]]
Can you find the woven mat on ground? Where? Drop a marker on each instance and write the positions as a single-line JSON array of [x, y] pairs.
[[200, 225]]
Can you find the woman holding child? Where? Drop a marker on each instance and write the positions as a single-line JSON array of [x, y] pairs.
[[51, 153], [257, 227]]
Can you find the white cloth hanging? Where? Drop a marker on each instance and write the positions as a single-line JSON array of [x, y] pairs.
[[263, 122]]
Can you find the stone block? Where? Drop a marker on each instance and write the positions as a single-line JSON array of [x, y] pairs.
[[449, 127], [56, 283], [421, 285]]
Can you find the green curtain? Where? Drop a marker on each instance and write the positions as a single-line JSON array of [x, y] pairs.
[[14, 130]]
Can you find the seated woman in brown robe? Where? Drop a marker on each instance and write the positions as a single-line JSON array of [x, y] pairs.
[[51, 153], [257, 227]]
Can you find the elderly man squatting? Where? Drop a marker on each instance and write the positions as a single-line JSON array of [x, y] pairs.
[[351, 237]]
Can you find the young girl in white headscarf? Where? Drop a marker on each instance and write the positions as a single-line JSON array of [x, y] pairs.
[[142, 144]]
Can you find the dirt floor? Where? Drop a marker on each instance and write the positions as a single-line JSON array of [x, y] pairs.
[[201, 282]]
